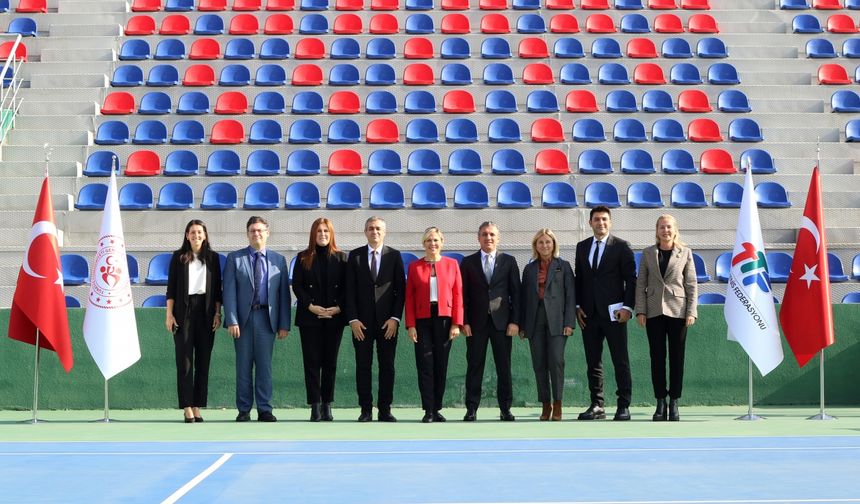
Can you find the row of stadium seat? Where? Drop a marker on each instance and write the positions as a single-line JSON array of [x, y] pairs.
[[837, 23], [818, 4], [26, 6], [304, 162], [422, 48], [823, 48], [317, 24]]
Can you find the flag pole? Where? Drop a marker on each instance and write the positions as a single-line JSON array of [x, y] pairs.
[[107, 408], [750, 415], [35, 419], [821, 414]]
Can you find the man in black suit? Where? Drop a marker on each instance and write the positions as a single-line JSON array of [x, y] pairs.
[[605, 279], [375, 293], [491, 306]]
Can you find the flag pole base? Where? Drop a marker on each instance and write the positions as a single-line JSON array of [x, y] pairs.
[[33, 421], [750, 416], [822, 416]]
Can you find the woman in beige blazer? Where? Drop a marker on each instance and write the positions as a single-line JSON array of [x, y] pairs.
[[666, 306]]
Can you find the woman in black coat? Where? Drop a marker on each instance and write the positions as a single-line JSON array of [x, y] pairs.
[[318, 278], [193, 315]]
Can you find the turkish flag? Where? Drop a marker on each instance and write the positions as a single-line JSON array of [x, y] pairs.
[[807, 315], [39, 302]]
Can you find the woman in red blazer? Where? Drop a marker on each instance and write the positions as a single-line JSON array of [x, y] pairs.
[[434, 314]]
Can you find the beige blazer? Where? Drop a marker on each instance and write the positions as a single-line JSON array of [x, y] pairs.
[[674, 294]]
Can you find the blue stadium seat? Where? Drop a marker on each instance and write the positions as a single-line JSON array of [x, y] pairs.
[[688, 195], [806, 23], [387, 195], [455, 74], [634, 23], [837, 272], [771, 195], [820, 48], [711, 298], [76, 271], [384, 162], [637, 161], [274, 48], [723, 73], [594, 162], [628, 4], [181, 163], [852, 131], [155, 103], [526, 4], [344, 131], [269, 102], [135, 196], [112, 133], [169, 49], [155, 301], [219, 196], [158, 268], [851, 297], [24, 26], [685, 74], [428, 194], [759, 160], [193, 103], [711, 47], [267, 131], [605, 48], [187, 132], [723, 267], [313, 24], [379, 48], [471, 194], [343, 74], [508, 162], [676, 48], [727, 195], [343, 196], [612, 73], [175, 196], [421, 131], [73, 302], [263, 162], [793, 4], [503, 130], [588, 130], [178, 5], [234, 75], [303, 162], [379, 74], [500, 101], [305, 131], [307, 102], [261, 196], [851, 48], [778, 265], [733, 100], [845, 100], [423, 162], [344, 48], [419, 5], [464, 162], [222, 163], [150, 132], [495, 48], [419, 102], [744, 130], [542, 101], [209, 24], [621, 100], [498, 74], [239, 49], [531, 23], [99, 164], [558, 195], [419, 24], [457, 256], [852, 4], [513, 194], [134, 49], [644, 195], [667, 130], [381, 102], [302, 196], [657, 100], [270, 75], [127, 76], [855, 267], [629, 130], [574, 73], [601, 193], [677, 161], [455, 48], [568, 47], [91, 197], [313, 5], [164, 75]]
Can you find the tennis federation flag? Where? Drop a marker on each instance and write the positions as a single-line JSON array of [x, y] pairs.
[[39, 303], [110, 329], [749, 309], [807, 315]]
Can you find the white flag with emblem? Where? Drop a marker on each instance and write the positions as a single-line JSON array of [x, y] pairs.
[[110, 329]]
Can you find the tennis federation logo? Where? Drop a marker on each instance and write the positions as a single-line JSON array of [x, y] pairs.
[[753, 267]]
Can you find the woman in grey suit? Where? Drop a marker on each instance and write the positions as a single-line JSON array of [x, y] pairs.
[[548, 316], [666, 306]]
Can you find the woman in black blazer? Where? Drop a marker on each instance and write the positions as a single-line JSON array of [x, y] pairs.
[[193, 315], [318, 280]]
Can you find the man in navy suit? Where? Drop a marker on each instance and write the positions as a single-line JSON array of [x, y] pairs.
[[256, 308]]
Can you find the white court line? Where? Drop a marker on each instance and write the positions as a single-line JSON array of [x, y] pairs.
[[197, 479], [715, 501]]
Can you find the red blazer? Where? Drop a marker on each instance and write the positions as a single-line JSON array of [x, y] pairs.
[[449, 287]]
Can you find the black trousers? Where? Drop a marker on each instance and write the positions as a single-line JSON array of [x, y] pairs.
[[660, 330], [598, 328], [476, 358], [320, 346], [431, 358], [385, 352], [193, 342], [547, 351]]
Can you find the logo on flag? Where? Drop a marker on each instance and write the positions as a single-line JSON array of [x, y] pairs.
[[754, 266], [111, 287]]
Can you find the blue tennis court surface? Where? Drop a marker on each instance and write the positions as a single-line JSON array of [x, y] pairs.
[[697, 470]]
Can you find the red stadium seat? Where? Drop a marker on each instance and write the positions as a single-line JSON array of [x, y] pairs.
[[205, 49], [310, 48], [696, 4], [563, 23], [694, 100], [547, 130], [594, 4], [418, 74], [143, 163], [832, 73], [418, 48], [533, 47], [211, 5], [280, 5], [199, 75], [841, 23], [641, 48], [648, 73], [581, 100], [551, 162], [717, 161], [560, 4], [227, 131], [668, 23], [383, 24], [384, 5], [704, 130], [33, 6], [6, 49], [455, 4], [174, 24], [344, 102], [382, 131], [702, 23], [458, 102], [455, 23], [538, 73], [344, 162], [118, 103], [244, 24], [826, 4], [662, 4], [347, 24], [599, 23], [495, 23], [142, 24], [492, 4], [232, 102], [146, 6], [246, 5], [278, 24], [349, 5], [307, 75]]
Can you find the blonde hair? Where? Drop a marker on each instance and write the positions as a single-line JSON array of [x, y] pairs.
[[541, 232], [429, 231], [676, 240]]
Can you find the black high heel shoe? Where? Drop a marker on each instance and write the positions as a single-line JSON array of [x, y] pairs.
[[674, 416], [190, 419]]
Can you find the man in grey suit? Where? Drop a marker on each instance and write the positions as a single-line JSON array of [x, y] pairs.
[[256, 307]]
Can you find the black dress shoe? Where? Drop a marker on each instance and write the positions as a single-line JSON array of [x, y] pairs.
[[243, 416], [266, 416], [325, 412], [594, 412], [385, 416], [428, 417], [660, 412], [198, 419], [505, 415], [366, 415], [189, 419], [315, 412], [622, 414], [437, 417], [471, 415], [674, 416]]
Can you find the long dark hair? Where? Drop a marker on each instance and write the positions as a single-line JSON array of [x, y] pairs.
[[310, 253], [186, 254]]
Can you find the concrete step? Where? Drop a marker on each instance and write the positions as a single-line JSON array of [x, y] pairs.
[[110, 27], [69, 80], [65, 95], [67, 153], [30, 184], [28, 202], [32, 108], [36, 169], [60, 122], [74, 7], [53, 137], [39, 44], [88, 54]]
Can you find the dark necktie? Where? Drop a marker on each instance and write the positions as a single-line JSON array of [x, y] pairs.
[[488, 270], [595, 257], [373, 266], [258, 276]]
